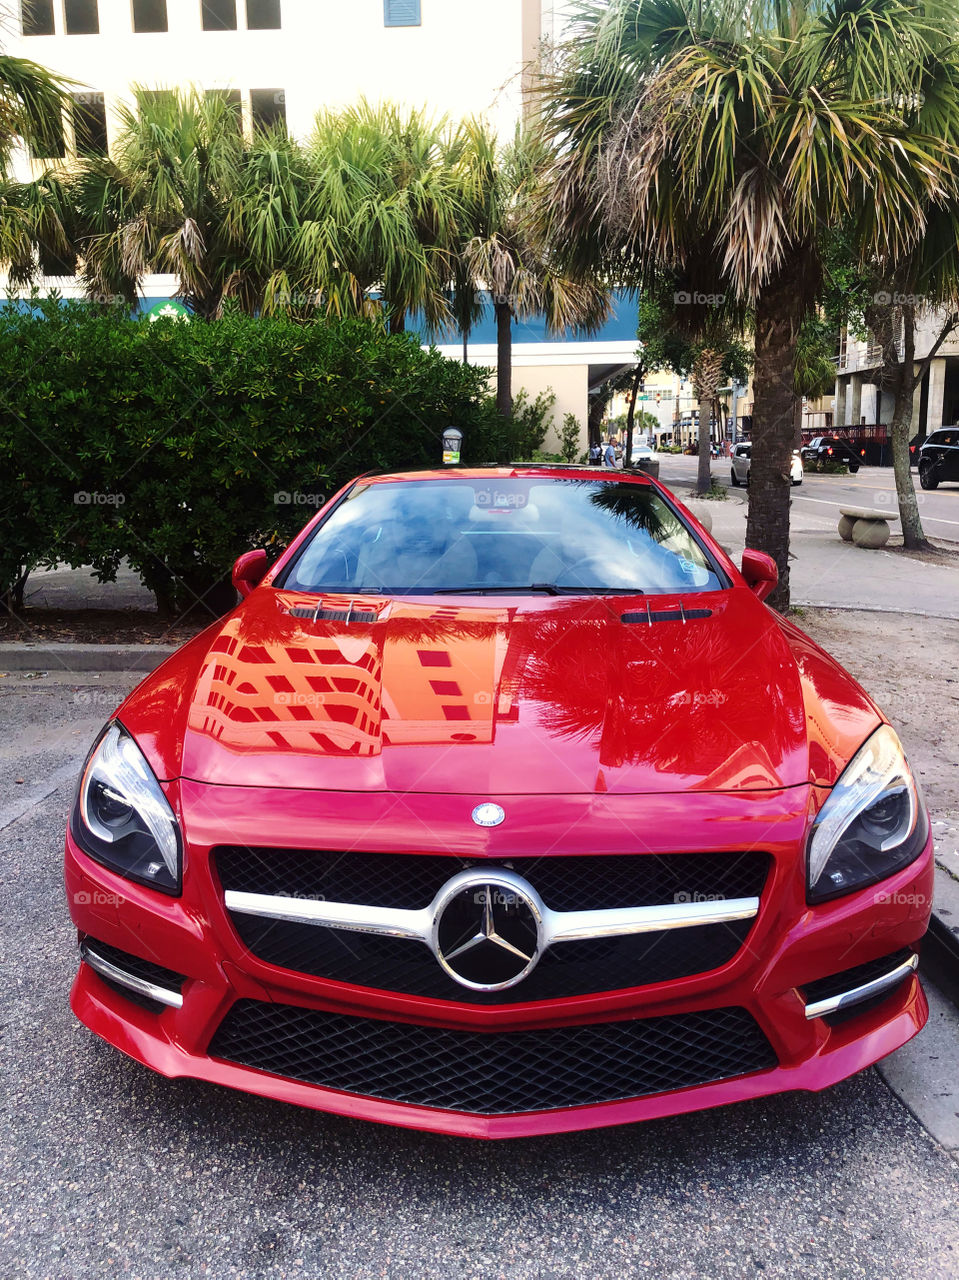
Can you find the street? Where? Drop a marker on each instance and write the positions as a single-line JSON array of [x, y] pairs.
[[110, 1169], [828, 572]]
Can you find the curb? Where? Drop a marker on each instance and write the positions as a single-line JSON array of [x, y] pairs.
[[65, 659], [939, 955]]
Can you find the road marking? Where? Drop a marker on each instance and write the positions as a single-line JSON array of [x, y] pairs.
[[802, 497]]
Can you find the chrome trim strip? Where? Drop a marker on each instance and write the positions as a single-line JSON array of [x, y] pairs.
[[570, 926], [856, 995], [334, 915], [107, 970], [558, 926]]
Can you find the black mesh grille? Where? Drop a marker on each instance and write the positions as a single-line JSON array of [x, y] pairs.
[[567, 969], [576, 883], [493, 1073]]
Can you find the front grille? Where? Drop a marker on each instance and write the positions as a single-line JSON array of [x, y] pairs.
[[493, 1073], [565, 883], [570, 968]]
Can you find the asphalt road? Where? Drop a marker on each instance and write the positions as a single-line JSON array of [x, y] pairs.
[[108, 1169], [823, 495]]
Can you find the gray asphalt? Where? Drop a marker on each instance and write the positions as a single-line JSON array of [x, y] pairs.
[[110, 1170]]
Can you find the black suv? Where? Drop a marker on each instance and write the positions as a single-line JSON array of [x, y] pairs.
[[831, 449], [939, 457]]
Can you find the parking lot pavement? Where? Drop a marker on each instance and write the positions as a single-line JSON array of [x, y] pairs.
[[108, 1169]]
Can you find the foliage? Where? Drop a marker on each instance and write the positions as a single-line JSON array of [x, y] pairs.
[[569, 437], [720, 141], [180, 445]]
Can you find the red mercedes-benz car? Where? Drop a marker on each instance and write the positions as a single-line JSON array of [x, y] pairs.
[[501, 805]]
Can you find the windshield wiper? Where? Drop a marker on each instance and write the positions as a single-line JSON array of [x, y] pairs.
[[546, 588]]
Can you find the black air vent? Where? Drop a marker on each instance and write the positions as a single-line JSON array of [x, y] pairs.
[[333, 615], [649, 616]]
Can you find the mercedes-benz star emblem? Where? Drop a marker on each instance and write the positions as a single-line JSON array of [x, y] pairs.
[[487, 931], [488, 815]]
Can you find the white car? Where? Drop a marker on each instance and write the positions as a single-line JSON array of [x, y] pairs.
[[739, 465], [642, 452]]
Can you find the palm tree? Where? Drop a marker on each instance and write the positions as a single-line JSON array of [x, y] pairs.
[[32, 104], [721, 138], [165, 201], [383, 212], [502, 253]]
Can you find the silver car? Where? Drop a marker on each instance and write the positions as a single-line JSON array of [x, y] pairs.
[[739, 465]]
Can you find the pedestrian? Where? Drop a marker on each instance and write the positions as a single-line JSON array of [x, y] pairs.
[[596, 454], [609, 453]]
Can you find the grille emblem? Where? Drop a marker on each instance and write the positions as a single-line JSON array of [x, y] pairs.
[[488, 815], [487, 932]]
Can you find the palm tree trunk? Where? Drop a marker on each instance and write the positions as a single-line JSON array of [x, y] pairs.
[[504, 358], [913, 535], [631, 416], [704, 474], [779, 313]]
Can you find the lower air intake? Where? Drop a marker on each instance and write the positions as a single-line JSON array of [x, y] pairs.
[[493, 1073]]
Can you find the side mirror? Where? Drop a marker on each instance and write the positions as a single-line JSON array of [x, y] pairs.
[[249, 571], [760, 572]]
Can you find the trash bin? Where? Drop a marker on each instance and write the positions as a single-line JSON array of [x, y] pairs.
[[649, 467]]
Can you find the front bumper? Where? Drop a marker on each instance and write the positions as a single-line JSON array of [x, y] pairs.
[[790, 947]]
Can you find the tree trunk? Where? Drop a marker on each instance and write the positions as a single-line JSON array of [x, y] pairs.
[[779, 313], [504, 358], [398, 321], [706, 377], [913, 535], [594, 422], [631, 416]]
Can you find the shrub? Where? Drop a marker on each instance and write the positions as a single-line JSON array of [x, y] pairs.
[[569, 437], [179, 445]]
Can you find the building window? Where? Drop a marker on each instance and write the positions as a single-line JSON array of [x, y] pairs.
[[81, 17], [36, 17], [401, 13], [90, 124], [268, 109], [231, 99], [51, 146], [263, 15], [149, 15], [218, 15]]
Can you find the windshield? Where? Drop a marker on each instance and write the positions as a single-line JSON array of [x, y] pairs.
[[523, 534]]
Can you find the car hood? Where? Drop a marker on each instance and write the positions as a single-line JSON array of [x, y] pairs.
[[558, 696]]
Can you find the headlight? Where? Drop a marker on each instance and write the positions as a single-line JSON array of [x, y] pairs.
[[122, 818], [872, 824]]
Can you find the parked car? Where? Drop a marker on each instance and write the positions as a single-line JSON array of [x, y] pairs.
[[642, 451], [915, 444], [739, 461], [939, 458], [501, 805], [831, 449]]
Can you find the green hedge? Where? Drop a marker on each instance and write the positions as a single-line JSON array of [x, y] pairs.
[[179, 445]]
